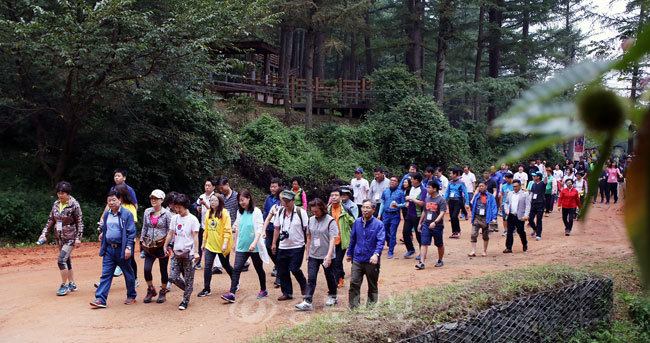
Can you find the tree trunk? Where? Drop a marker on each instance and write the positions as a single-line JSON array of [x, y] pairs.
[[414, 30], [445, 14], [366, 39], [353, 56], [345, 64], [309, 73], [476, 108], [320, 55], [287, 50], [635, 82], [525, 26], [495, 18]]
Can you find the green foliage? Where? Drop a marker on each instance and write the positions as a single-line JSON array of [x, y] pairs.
[[391, 85], [240, 106]]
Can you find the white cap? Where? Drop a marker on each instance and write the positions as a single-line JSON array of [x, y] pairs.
[[157, 193]]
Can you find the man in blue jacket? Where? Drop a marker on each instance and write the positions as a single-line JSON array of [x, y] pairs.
[[272, 200], [366, 243], [484, 212], [392, 200], [117, 241]]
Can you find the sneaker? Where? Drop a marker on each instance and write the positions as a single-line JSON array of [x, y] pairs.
[[229, 297], [129, 301], [532, 233], [305, 306], [197, 266], [276, 284], [262, 294], [390, 255], [538, 238], [96, 284], [285, 297], [217, 270], [162, 296], [204, 293], [439, 264], [63, 290], [418, 258], [567, 233], [137, 282], [420, 265], [151, 292], [274, 273], [461, 216], [409, 254], [525, 248], [142, 254], [505, 233], [97, 304], [244, 269], [183, 305], [72, 287], [332, 300], [546, 215], [169, 286], [507, 251], [118, 271]]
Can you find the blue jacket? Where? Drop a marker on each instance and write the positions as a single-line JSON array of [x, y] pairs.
[[388, 197], [270, 201], [436, 179], [490, 208], [127, 225], [458, 188], [366, 240]]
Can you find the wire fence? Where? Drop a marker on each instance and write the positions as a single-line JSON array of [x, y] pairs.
[[550, 316]]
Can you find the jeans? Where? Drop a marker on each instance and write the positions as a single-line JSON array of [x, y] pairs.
[[289, 262], [183, 266], [515, 224], [391, 220], [455, 206], [411, 222], [163, 262], [602, 188], [567, 217], [112, 259], [536, 216], [371, 271], [548, 200], [337, 262], [207, 266], [240, 261], [313, 265]]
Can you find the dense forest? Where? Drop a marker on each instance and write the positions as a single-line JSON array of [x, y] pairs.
[[88, 86]]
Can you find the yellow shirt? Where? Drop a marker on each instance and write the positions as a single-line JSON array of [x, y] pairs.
[[62, 206], [216, 231], [131, 208]]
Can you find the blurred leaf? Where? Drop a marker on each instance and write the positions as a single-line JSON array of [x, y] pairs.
[[605, 149], [637, 51], [530, 147]]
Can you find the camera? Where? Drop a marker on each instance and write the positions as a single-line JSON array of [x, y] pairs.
[[283, 235]]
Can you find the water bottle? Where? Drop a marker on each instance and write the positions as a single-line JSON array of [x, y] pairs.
[[41, 241]]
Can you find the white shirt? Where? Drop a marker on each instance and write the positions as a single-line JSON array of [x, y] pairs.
[[361, 189], [183, 228], [291, 223], [469, 179], [522, 177], [445, 183], [558, 175], [514, 202], [568, 177], [377, 188], [204, 209]]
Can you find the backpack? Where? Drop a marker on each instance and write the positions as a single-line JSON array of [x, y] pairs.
[[302, 225]]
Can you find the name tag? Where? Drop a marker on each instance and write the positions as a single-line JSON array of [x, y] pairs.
[[377, 196], [481, 212], [429, 216], [452, 195], [316, 242], [59, 225], [534, 196]]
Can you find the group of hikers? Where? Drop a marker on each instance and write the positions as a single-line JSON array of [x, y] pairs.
[[354, 224]]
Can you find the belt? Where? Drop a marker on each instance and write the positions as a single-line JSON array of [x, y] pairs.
[[115, 245]]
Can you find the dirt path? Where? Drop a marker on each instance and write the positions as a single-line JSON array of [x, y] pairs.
[[31, 312]]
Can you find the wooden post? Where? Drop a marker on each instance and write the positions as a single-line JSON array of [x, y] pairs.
[[267, 72], [340, 89], [363, 89], [292, 82]]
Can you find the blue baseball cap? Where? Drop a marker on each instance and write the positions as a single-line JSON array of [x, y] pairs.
[[359, 170]]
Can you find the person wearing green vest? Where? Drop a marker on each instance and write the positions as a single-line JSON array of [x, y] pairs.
[[301, 196], [344, 221], [551, 190]]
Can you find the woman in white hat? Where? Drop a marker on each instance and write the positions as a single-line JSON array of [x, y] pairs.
[[154, 231]]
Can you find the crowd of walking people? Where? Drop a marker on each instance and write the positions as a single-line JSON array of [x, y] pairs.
[[351, 227]]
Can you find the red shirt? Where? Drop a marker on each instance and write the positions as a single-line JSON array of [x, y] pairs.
[[569, 198]]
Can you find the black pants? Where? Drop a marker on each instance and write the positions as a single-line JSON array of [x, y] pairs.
[[602, 188], [289, 262], [269, 244], [163, 262], [207, 266], [567, 217], [371, 271], [548, 202], [536, 216], [337, 262], [515, 224], [376, 213], [240, 261], [313, 265], [612, 188], [411, 222], [200, 242], [455, 206]]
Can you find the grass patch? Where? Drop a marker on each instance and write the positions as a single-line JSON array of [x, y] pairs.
[[414, 312]]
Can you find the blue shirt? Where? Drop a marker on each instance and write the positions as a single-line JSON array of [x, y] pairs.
[[426, 181], [388, 196], [352, 207], [268, 204], [135, 200], [406, 176], [113, 230], [457, 189], [366, 239], [246, 232], [506, 188], [498, 178]]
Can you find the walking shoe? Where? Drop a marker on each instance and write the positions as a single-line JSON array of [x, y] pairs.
[[262, 294], [217, 270], [331, 300], [567, 233], [461, 216], [229, 297], [276, 284], [538, 238], [274, 273], [546, 215], [204, 293], [183, 305], [169, 286], [507, 251], [505, 233], [238, 284], [137, 282], [63, 290], [401, 240], [96, 284], [151, 292], [420, 265], [409, 254], [285, 297], [129, 301], [72, 287], [525, 248], [97, 304], [341, 283], [118, 271], [390, 254], [532, 233], [418, 258], [142, 254], [305, 306], [439, 264], [162, 296], [197, 266]]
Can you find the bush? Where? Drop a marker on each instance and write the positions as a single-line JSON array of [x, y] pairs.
[[391, 85]]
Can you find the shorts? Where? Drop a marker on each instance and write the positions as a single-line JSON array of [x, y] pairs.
[[435, 233], [480, 224]]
